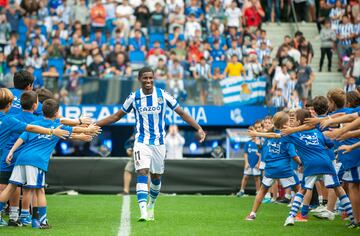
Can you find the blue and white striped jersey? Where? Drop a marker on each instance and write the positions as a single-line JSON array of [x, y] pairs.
[[345, 31], [150, 114]]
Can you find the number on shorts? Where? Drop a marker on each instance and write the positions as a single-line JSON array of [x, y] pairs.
[[137, 155]]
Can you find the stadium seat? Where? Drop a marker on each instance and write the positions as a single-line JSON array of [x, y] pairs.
[[137, 59], [220, 64], [39, 82], [157, 37], [58, 63]]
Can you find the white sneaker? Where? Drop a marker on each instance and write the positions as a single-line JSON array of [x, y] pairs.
[[328, 215], [150, 214], [290, 221], [319, 209]]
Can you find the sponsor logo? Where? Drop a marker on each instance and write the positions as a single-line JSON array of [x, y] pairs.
[[274, 147], [310, 139], [149, 109], [236, 116]]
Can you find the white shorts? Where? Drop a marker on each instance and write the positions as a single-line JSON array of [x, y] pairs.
[[252, 171], [149, 157], [262, 165], [352, 175], [285, 182], [299, 175], [28, 177], [330, 181]]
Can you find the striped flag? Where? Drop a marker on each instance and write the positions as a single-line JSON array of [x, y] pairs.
[[237, 91]]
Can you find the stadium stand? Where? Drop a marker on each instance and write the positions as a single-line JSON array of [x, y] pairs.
[[185, 31]]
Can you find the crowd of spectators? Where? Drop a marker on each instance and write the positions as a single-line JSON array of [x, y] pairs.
[[64, 41]]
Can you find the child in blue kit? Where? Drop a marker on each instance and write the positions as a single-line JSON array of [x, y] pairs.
[[32, 161], [311, 146], [278, 164]]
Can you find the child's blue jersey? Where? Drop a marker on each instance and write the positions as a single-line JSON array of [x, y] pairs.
[[278, 158], [311, 146], [26, 117], [264, 149], [8, 125], [251, 148], [16, 106], [351, 159], [330, 151], [39, 147]]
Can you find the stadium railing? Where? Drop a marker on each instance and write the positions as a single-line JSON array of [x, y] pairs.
[[115, 89]]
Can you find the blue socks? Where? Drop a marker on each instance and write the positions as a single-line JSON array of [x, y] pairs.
[[42, 215], [155, 187], [346, 204], [296, 204]]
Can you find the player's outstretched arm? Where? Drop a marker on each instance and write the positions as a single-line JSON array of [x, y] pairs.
[[338, 120], [334, 134], [75, 122], [349, 148], [291, 130], [111, 119], [81, 137], [58, 132], [17, 144], [92, 129], [188, 119], [350, 134], [253, 133]]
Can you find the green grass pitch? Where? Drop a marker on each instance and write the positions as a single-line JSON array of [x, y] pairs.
[[175, 215]]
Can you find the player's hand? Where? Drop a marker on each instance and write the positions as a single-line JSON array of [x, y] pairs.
[[345, 148], [202, 135], [311, 121], [333, 134], [60, 133], [9, 158], [85, 120], [287, 131], [85, 137], [325, 123], [94, 130]]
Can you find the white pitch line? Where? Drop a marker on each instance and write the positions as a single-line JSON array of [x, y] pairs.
[[125, 226]]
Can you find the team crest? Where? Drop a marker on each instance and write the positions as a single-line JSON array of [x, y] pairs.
[[160, 100]]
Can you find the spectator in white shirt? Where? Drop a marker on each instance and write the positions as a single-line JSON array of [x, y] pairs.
[[233, 15], [294, 53], [191, 26], [253, 68], [281, 78], [124, 13], [174, 143]]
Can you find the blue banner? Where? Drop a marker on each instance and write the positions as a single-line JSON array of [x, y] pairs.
[[237, 91], [204, 115]]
